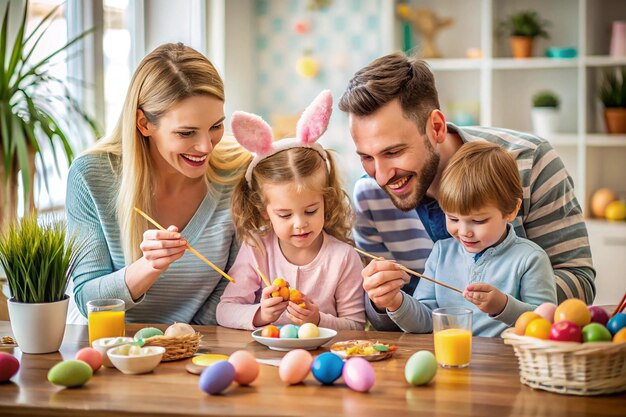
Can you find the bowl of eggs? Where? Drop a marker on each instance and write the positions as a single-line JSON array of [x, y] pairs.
[[103, 345], [289, 337], [132, 359]]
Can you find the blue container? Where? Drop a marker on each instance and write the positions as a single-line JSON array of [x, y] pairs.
[[558, 52]]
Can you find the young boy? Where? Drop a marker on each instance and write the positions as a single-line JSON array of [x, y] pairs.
[[502, 274]]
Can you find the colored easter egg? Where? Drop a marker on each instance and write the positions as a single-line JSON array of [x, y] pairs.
[[617, 323], [73, 373], [595, 332], [208, 359], [573, 310], [246, 367], [546, 310], [147, 332], [327, 368], [566, 331], [358, 374], [598, 315], [270, 331], [620, 337], [289, 331], [295, 366], [217, 377], [91, 356], [538, 328], [308, 330], [9, 365], [523, 320], [421, 368]]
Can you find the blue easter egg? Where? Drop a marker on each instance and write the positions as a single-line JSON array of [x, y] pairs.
[[217, 377], [289, 331], [327, 368], [616, 323]]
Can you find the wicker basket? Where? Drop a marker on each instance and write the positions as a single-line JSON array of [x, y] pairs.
[[176, 347], [569, 368]]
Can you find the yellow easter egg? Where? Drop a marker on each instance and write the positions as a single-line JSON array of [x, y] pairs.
[[208, 359], [307, 67]]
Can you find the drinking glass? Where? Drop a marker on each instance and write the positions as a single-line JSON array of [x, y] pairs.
[[105, 318], [452, 329]]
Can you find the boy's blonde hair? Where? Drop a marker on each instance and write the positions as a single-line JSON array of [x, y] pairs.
[[167, 75], [480, 173], [298, 166]]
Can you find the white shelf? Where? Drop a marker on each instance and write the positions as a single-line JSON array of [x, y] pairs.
[[455, 64], [604, 61], [563, 139], [532, 63], [605, 140]]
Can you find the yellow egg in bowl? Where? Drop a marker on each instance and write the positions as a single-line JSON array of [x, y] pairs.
[[132, 360]]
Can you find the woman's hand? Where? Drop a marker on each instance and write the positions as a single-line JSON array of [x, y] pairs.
[[309, 313], [271, 307], [486, 297], [162, 247]]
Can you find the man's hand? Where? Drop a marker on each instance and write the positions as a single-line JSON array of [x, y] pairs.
[[382, 280]]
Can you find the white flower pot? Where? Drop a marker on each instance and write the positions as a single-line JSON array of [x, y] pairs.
[[545, 121], [38, 328]]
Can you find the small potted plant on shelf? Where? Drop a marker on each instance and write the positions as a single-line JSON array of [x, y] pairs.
[[613, 96], [38, 260], [523, 27], [545, 113]]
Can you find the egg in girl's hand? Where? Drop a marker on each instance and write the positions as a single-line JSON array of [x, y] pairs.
[[308, 330], [246, 367], [91, 356], [217, 377], [72, 373], [327, 368], [546, 310], [421, 368], [358, 374], [295, 366], [9, 365], [289, 331]]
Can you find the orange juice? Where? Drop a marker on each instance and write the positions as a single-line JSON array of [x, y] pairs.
[[105, 324], [453, 347]]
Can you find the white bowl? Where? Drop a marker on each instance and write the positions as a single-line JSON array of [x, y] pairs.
[[312, 343], [137, 364], [106, 343]]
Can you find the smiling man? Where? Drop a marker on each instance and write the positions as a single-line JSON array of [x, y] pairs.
[[404, 144]]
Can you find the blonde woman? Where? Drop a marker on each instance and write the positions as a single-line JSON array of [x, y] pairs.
[[166, 156]]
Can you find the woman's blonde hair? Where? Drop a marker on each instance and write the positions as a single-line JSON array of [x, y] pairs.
[[480, 173], [167, 75], [299, 166]]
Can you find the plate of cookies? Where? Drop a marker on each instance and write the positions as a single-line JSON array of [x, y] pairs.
[[367, 349]]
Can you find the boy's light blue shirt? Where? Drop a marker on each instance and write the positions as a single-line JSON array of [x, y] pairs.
[[517, 267]]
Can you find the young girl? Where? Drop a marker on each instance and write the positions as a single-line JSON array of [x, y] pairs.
[[503, 275], [294, 220]]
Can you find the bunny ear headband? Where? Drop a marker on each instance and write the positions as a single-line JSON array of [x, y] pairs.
[[254, 134]]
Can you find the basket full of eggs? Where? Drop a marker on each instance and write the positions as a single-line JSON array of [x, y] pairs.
[[180, 340], [571, 348]]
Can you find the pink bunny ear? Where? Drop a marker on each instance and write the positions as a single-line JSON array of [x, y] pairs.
[[314, 120], [252, 132]]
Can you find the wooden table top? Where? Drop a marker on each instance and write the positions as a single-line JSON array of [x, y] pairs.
[[489, 387]]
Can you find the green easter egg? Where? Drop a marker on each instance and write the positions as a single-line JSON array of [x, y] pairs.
[[421, 368], [72, 373], [147, 332]]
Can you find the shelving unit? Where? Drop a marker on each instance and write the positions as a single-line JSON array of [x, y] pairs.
[[499, 89]]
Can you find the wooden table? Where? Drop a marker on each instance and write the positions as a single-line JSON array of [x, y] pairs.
[[489, 387]]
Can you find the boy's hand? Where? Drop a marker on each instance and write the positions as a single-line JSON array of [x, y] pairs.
[[271, 307], [299, 315], [486, 297]]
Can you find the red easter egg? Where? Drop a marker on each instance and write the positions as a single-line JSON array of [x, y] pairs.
[[566, 331], [9, 365], [92, 357], [598, 315]]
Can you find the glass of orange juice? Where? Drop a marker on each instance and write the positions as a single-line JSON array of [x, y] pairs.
[[105, 318], [452, 329]]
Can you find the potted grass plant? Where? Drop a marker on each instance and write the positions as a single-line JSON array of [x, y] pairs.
[[613, 96], [38, 260], [545, 113], [523, 27]]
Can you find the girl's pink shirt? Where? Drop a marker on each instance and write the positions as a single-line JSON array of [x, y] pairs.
[[333, 280]]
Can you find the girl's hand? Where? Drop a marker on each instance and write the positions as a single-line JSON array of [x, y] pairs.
[[271, 307], [486, 297], [162, 247], [299, 315]]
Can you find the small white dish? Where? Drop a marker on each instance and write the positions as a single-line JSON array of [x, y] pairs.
[[106, 343], [140, 364], [285, 344]]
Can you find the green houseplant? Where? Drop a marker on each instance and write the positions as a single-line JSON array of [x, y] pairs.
[[613, 97], [545, 113], [38, 260], [36, 108], [523, 27]]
